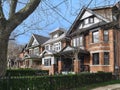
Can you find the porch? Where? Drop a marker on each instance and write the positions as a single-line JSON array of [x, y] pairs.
[[74, 62]]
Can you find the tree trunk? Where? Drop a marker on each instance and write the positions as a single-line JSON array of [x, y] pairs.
[[4, 38]]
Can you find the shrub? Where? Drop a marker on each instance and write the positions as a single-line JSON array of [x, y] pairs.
[[26, 72], [60, 82]]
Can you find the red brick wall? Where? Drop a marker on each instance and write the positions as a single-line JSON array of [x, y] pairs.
[[100, 48]]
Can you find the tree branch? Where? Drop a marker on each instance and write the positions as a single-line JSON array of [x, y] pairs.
[[21, 15], [1, 11], [13, 5], [2, 17]]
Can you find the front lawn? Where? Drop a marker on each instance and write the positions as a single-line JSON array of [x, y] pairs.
[[89, 87]]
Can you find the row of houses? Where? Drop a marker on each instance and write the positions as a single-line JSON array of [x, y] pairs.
[[91, 44]]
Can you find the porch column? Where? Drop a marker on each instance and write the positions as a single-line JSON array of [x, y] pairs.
[[76, 63], [76, 66], [52, 69], [60, 64]]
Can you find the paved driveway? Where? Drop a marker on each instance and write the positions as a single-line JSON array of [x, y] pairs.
[[109, 87]]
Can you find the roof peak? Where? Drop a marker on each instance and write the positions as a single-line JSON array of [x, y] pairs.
[[57, 29]]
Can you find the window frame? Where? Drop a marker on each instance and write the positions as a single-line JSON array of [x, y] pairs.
[[94, 61], [94, 36], [36, 51], [106, 62], [78, 41], [104, 36], [47, 61]]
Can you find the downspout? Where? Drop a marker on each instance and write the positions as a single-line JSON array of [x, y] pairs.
[[114, 39]]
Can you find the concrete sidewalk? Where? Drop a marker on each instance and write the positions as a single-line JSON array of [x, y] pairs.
[[109, 87]]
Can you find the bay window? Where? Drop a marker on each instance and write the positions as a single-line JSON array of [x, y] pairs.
[[95, 37], [106, 58], [47, 62], [95, 58], [106, 36]]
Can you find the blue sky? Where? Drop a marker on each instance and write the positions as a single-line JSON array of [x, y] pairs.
[[48, 17]]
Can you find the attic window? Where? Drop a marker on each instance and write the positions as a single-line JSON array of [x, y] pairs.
[[89, 20]]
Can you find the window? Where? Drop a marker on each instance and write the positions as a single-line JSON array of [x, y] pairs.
[[77, 41], [47, 62], [57, 46], [81, 41], [95, 58], [106, 58], [91, 20], [95, 36], [86, 21], [36, 51], [46, 47], [30, 51], [74, 42], [106, 36]]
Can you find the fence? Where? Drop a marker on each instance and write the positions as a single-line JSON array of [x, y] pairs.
[[61, 82]]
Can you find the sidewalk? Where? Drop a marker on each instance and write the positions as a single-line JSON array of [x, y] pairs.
[[109, 87]]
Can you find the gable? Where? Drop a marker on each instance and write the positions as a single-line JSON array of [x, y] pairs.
[[86, 14], [35, 42], [87, 18], [32, 42], [89, 22]]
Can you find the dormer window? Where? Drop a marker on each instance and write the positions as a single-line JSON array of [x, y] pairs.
[[91, 20]]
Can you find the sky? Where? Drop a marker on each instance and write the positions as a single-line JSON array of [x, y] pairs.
[[52, 14]]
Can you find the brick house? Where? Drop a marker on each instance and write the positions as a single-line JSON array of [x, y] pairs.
[[30, 53], [94, 41]]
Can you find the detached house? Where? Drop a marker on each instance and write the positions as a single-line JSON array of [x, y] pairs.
[[53, 46], [95, 40], [31, 58]]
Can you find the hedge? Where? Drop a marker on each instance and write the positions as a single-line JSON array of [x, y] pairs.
[[26, 72], [60, 82]]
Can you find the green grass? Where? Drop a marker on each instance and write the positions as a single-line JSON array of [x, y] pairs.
[[88, 87]]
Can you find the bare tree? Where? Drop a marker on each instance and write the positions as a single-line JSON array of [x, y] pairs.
[[8, 24], [14, 50]]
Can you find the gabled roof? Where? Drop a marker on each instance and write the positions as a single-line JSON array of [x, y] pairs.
[[62, 36], [59, 29], [52, 40], [49, 52], [78, 19], [40, 39]]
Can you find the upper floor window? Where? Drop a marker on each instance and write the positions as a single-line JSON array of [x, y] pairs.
[[47, 47], [95, 37], [95, 58], [47, 62], [106, 36], [57, 46], [88, 21], [77, 41], [30, 51], [36, 51], [106, 58]]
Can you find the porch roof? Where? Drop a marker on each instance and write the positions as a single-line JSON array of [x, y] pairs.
[[70, 49]]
